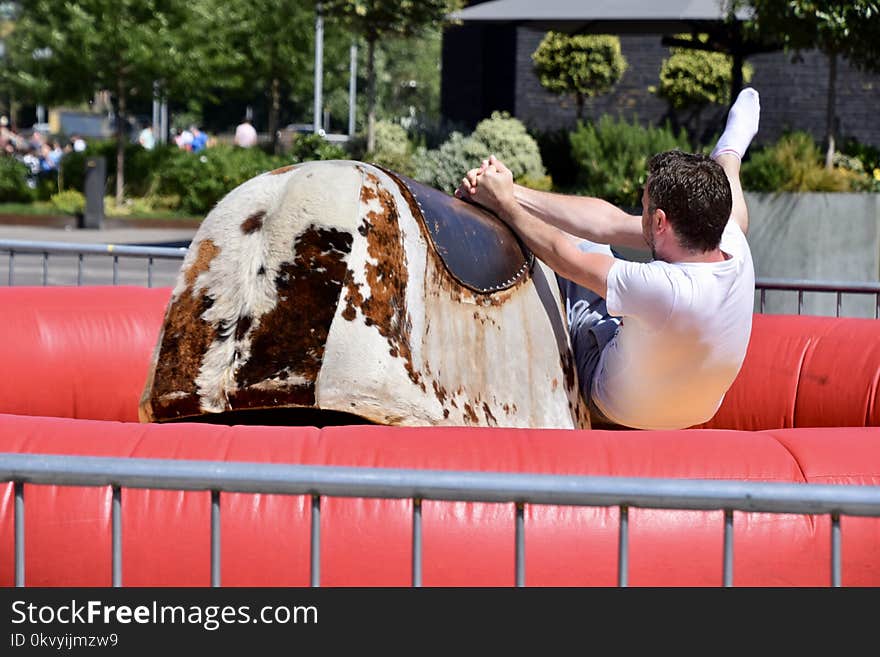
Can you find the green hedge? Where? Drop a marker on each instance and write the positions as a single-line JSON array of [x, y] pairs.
[[13, 182], [612, 157], [795, 164], [199, 180]]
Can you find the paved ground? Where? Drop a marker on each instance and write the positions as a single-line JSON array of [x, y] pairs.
[[104, 236], [36, 269]]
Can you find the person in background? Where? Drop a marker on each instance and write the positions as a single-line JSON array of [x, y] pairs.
[[199, 140], [77, 144], [146, 138], [184, 140], [245, 134]]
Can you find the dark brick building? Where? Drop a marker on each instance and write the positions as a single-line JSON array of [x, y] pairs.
[[488, 67]]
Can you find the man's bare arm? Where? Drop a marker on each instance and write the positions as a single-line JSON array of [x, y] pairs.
[[739, 212], [553, 246], [558, 251], [581, 216], [584, 216]]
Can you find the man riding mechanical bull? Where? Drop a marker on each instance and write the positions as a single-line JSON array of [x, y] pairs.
[[344, 289]]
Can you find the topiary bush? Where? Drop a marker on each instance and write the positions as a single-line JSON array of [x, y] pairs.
[[499, 135], [13, 182], [795, 164], [612, 157], [695, 78], [583, 65]]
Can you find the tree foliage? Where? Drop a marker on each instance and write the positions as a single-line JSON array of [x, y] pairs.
[[276, 41], [376, 19], [839, 29], [61, 52], [850, 28], [581, 65]]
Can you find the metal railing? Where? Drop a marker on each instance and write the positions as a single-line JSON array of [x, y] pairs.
[[417, 485], [151, 253], [112, 251], [762, 285]]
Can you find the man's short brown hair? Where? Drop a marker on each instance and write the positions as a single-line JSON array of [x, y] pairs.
[[694, 192]]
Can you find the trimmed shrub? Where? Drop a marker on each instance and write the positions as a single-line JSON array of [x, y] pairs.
[[612, 157], [583, 65], [499, 135], [694, 78], [795, 164], [13, 182], [508, 140]]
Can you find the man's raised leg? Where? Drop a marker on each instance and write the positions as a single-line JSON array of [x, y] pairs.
[[741, 128]]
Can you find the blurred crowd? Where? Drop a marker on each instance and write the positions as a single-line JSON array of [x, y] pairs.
[[41, 155]]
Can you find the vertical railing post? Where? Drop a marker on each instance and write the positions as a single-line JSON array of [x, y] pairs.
[[215, 538], [728, 547], [623, 548], [316, 541], [417, 543], [520, 552], [116, 550], [835, 550], [19, 533]]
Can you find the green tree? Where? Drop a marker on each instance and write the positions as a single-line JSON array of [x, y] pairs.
[[373, 20], [7, 23], [276, 38], [848, 30], [67, 51], [582, 65]]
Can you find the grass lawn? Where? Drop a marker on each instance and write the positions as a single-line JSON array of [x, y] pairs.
[[37, 207], [45, 208]]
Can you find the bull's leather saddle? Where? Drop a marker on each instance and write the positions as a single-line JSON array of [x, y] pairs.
[[478, 249]]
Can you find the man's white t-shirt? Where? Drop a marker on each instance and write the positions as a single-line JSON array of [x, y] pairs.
[[684, 333]]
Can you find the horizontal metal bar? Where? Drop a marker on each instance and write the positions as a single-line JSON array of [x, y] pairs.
[[26, 246], [817, 286], [390, 483]]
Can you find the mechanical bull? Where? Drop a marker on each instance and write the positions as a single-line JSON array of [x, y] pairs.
[[339, 287]]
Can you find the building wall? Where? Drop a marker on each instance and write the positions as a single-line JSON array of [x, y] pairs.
[[793, 95]]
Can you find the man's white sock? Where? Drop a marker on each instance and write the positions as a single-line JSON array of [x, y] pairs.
[[742, 125]]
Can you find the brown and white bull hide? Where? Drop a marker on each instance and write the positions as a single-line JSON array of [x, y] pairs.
[[319, 286]]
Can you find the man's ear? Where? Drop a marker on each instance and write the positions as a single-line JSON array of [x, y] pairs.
[[660, 221]]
